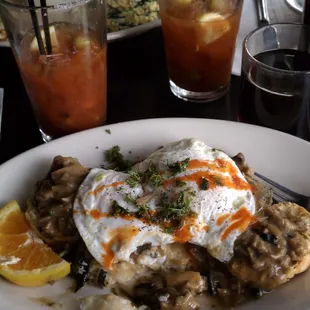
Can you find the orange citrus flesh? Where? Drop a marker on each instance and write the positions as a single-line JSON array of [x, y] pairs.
[[12, 220], [24, 259]]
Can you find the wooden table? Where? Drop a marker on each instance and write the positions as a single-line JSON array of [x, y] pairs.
[[137, 89]]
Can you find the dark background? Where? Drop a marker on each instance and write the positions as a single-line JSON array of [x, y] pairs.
[[137, 89]]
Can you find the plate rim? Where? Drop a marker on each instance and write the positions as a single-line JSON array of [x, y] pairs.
[[141, 121], [132, 31], [293, 5]]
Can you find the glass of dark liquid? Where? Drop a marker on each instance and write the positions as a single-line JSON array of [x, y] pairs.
[[276, 78]]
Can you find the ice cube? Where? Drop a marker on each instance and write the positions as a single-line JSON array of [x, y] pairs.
[[210, 17], [184, 2], [53, 35], [219, 5], [81, 42], [211, 27]]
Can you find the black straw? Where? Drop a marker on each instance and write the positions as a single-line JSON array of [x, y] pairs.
[[303, 44], [46, 27], [36, 26], [306, 13]]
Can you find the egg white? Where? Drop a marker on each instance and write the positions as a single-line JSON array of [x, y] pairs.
[[124, 235]]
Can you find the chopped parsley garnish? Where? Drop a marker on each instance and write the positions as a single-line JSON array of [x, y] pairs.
[[134, 179], [150, 175], [118, 210], [63, 253], [99, 177], [180, 183], [108, 131], [128, 198], [192, 193], [217, 150], [168, 210], [150, 170], [153, 176], [52, 213], [156, 179], [143, 211], [204, 185], [174, 210], [218, 181], [179, 166], [169, 230], [116, 159]]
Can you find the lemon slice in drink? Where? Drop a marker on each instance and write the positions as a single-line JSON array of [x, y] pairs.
[[219, 5], [184, 2], [210, 17], [53, 36], [211, 27]]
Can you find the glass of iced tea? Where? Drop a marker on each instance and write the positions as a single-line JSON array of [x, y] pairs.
[[200, 37], [63, 63]]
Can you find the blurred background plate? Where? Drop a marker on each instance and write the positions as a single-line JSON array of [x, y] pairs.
[[4, 43], [129, 32], [2, 33], [296, 5], [117, 35]]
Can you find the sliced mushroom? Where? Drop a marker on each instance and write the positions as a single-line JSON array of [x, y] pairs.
[[187, 281]]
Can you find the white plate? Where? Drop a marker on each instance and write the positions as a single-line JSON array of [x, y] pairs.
[[296, 5], [281, 157]]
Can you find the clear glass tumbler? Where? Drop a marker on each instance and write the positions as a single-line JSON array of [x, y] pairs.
[[200, 39], [275, 78], [60, 49]]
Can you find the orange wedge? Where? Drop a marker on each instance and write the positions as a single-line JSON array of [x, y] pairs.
[[12, 220], [24, 259]]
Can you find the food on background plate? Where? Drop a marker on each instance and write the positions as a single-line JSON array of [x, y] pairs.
[[3, 36], [123, 14], [185, 223]]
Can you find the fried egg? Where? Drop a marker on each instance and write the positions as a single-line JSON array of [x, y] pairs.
[[200, 197]]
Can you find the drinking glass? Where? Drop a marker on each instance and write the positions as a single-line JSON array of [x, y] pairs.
[[60, 49], [275, 77], [200, 39]]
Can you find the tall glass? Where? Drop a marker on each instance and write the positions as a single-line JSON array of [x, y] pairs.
[[200, 37], [66, 79], [276, 78]]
